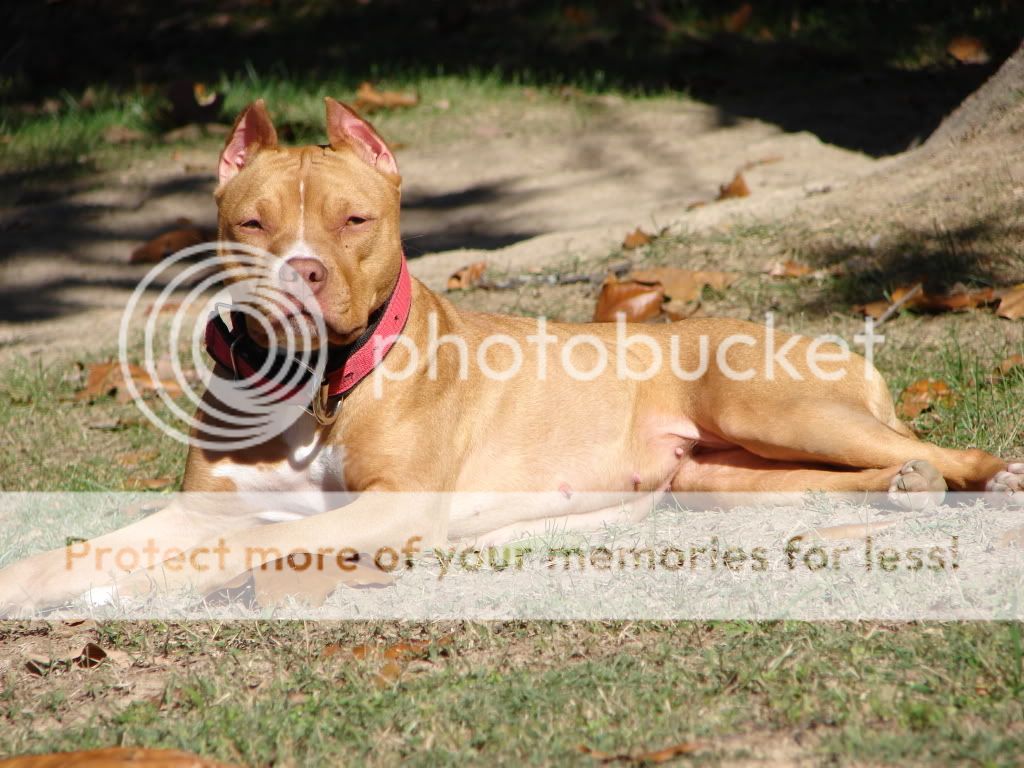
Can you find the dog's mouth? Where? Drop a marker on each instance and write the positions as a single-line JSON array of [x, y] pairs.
[[299, 326]]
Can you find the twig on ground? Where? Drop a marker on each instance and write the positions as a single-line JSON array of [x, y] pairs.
[[912, 294], [518, 281]]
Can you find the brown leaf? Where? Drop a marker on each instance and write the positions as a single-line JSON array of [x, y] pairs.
[[735, 188], [681, 310], [1006, 366], [956, 301], [191, 102], [968, 50], [93, 655], [655, 756], [115, 757], [148, 483], [922, 395], [388, 674], [134, 458], [312, 578], [167, 244], [684, 284], [637, 301], [1012, 538], [1011, 304], [788, 268], [107, 378], [120, 134], [737, 21], [873, 309], [467, 277], [369, 99], [636, 239]]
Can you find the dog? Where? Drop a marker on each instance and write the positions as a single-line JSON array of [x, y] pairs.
[[331, 214]]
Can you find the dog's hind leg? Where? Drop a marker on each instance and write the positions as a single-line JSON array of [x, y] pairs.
[[837, 433]]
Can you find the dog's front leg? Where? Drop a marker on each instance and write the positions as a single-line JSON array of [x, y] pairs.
[[374, 520], [55, 577]]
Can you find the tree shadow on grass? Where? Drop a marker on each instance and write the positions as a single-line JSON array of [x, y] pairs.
[[977, 254], [829, 68]]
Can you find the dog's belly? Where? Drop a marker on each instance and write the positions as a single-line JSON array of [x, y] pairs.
[[570, 481]]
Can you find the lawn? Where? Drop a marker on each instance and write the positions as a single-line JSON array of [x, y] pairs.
[[275, 692]]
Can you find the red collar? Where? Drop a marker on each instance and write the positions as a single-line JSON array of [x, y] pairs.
[[236, 351]]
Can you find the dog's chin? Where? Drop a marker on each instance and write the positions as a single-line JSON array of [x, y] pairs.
[[301, 330]]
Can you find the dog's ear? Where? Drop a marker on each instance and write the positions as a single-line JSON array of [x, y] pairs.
[[346, 128], [253, 131]]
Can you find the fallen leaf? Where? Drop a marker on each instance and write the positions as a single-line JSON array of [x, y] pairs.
[[167, 244], [165, 308], [107, 378], [1012, 538], [119, 134], [735, 188], [968, 50], [637, 301], [134, 458], [191, 102], [737, 21], [312, 578], [388, 674], [467, 277], [636, 239], [148, 483], [683, 284], [114, 757], [369, 99], [1011, 304], [1007, 366], [681, 310], [93, 655], [696, 204], [788, 268], [873, 309], [922, 395], [655, 756], [959, 299]]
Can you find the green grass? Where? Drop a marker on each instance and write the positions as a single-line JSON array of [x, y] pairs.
[[531, 693], [72, 141]]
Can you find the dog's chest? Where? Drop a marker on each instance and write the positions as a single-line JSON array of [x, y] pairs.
[[298, 485]]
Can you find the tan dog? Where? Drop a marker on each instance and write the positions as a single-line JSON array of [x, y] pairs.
[[333, 214]]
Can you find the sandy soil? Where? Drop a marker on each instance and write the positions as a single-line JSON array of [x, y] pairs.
[[517, 199]]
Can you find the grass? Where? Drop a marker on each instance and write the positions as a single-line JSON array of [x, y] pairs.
[[263, 694]]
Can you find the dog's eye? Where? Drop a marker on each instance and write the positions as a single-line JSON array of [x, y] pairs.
[[355, 221], [252, 224]]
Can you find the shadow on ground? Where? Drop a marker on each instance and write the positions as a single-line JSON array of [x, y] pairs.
[[835, 69], [977, 254]]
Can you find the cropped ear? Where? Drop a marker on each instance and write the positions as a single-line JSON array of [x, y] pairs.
[[253, 131], [346, 128]]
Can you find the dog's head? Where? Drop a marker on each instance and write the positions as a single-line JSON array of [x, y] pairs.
[[328, 215]]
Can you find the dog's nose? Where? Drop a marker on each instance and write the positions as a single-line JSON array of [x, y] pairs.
[[310, 270]]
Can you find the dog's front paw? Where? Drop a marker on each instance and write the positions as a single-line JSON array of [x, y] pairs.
[[918, 485], [1009, 482]]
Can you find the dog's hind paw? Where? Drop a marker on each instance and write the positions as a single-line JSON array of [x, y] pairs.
[[1009, 482], [917, 485]]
